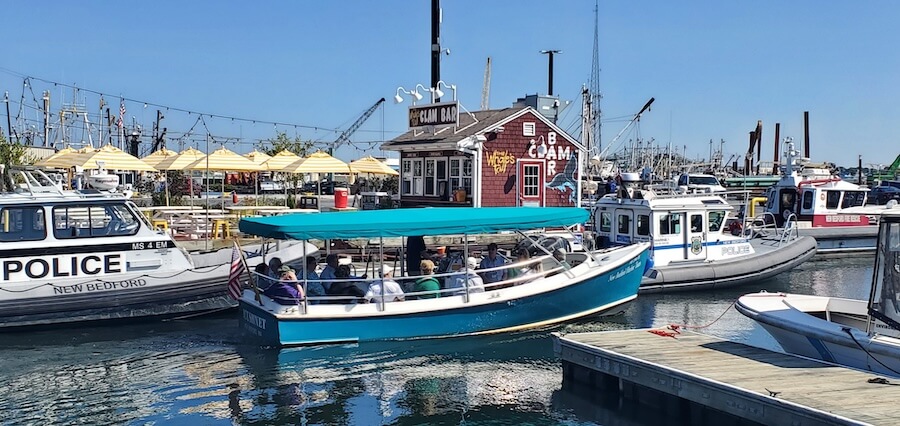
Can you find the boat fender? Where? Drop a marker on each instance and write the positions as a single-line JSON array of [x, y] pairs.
[[648, 266], [234, 197]]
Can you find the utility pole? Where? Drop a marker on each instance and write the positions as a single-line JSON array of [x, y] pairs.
[[8, 121], [550, 54], [46, 99]]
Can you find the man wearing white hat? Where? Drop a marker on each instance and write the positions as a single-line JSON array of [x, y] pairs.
[[476, 285], [392, 290]]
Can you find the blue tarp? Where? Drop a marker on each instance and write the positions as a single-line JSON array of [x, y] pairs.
[[410, 222]]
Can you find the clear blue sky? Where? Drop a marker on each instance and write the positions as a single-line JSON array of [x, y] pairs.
[[714, 67]]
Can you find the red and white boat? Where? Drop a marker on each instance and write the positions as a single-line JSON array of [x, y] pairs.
[[833, 211]]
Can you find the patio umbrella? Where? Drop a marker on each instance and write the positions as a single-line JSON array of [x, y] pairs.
[[318, 162], [62, 159], [278, 162], [371, 165], [155, 158], [111, 158], [158, 156], [181, 162], [225, 160], [259, 158]]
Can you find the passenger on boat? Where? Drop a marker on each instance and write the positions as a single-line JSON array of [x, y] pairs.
[[492, 260], [275, 267], [314, 287], [467, 276], [427, 282], [521, 256], [286, 291], [392, 290], [560, 256], [345, 286], [331, 264], [262, 276]]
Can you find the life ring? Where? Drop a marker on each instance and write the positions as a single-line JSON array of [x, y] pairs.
[[822, 196]]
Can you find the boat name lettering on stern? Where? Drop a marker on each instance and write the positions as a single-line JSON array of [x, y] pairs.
[[98, 286], [33, 268], [255, 320], [634, 264]]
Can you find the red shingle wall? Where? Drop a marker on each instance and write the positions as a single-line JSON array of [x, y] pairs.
[[499, 171]]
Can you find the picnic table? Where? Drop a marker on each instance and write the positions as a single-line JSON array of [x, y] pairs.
[[243, 211]]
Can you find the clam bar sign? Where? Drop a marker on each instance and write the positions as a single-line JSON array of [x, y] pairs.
[[437, 115], [62, 266]]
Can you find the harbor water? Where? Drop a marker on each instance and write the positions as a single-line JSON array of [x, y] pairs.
[[204, 371]]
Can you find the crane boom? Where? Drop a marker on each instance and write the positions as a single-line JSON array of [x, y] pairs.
[[486, 89], [345, 135]]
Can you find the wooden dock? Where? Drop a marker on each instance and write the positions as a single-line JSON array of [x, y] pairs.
[[698, 377]]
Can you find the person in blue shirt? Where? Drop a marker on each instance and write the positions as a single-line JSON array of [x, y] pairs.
[[314, 287], [492, 260], [328, 273]]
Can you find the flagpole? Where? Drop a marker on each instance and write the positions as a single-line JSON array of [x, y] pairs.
[[253, 279]]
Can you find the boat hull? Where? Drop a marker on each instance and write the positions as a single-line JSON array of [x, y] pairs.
[[131, 295], [843, 239], [766, 262], [795, 323], [603, 290]]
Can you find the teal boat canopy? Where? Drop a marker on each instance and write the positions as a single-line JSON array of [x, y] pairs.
[[410, 222]]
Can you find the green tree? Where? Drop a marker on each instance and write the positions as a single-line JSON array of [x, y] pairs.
[[11, 154], [282, 141]]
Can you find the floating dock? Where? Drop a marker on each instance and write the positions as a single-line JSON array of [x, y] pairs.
[[705, 380]]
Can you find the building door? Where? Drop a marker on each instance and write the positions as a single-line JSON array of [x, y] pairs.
[[530, 185], [695, 236]]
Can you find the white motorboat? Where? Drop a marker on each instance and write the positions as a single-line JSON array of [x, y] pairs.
[[863, 334], [696, 243], [69, 256], [833, 211]]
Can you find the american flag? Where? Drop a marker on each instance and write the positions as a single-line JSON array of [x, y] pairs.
[[121, 122], [234, 276]]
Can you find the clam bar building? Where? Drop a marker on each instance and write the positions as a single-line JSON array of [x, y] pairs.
[[505, 157]]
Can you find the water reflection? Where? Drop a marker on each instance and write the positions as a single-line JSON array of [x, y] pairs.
[[204, 371]]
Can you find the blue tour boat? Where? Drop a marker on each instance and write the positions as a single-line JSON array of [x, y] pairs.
[[587, 283]]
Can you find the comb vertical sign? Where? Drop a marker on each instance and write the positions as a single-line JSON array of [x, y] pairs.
[[434, 116]]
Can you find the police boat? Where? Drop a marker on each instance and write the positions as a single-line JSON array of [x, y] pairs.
[[73, 256], [696, 243]]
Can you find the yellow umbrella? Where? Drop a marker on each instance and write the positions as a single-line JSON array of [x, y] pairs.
[[318, 162], [278, 162], [373, 166], [158, 156], [257, 156], [281, 160], [61, 159], [182, 160], [224, 159], [111, 158]]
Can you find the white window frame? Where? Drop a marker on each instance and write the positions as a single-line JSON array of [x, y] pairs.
[[528, 129], [416, 181], [531, 182], [463, 176]]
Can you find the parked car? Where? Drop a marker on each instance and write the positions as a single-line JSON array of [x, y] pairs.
[[883, 194]]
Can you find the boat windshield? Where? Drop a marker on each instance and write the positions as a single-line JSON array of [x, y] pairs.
[[885, 305], [703, 180]]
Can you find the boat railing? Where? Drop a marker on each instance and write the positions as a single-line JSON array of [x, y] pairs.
[[791, 231], [531, 270], [764, 224]]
